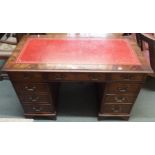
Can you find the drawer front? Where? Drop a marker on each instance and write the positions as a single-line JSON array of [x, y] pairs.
[[122, 88], [119, 98], [76, 77], [31, 87], [60, 76], [35, 98], [127, 77], [116, 108], [95, 77], [35, 77], [38, 108]]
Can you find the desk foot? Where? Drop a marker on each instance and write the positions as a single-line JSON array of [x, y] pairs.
[[41, 116], [112, 117]]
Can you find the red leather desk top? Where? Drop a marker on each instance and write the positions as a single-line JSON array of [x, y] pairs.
[[83, 51]]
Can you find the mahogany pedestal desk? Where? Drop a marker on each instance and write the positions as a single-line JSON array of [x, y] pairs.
[[40, 63]]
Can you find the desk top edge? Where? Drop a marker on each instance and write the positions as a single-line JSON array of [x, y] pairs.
[[11, 66]]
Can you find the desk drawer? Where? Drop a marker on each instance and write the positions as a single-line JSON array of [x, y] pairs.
[[35, 98], [60, 76], [26, 77], [38, 108], [116, 108], [31, 87], [127, 77], [116, 87], [76, 77], [119, 98], [95, 77]]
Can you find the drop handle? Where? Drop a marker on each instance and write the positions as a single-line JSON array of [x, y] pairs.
[[116, 109], [127, 77], [26, 77], [37, 109], [120, 99], [34, 99], [93, 77], [123, 90], [30, 88], [59, 77]]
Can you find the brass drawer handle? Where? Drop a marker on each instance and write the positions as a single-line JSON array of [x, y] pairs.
[[26, 77], [120, 99], [30, 88], [116, 109], [37, 109], [127, 77], [93, 77], [33, 98], [59, 77], [123, 90]]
